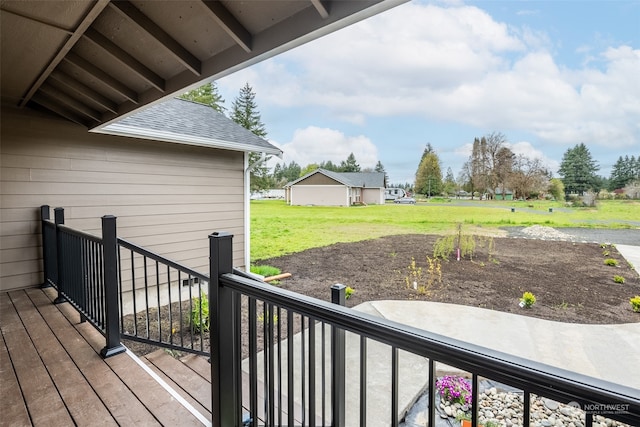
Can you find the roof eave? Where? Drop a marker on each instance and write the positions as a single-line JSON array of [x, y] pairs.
[[155, 135]]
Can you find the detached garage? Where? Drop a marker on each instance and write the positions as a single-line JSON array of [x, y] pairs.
[[326, 188]]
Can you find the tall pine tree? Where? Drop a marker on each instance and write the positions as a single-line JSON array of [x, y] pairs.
[[350, 165], [578, 170], [429, 175], [244, 111], [206, 94]]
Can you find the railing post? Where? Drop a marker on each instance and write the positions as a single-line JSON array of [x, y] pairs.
[[338, 362], [48, 247], [110, 263], [226, 399], [58, 219]]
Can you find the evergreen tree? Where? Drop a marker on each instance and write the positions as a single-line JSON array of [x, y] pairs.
[[286, 173], [578, 170], [427, 150], [244, 111], [206, 94], [309, 168], [330, 166], [380, 168], [350, 165], [449, 183], [623, 172], [429, 175]]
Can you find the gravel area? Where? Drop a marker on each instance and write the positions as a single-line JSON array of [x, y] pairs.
[[587, 235]]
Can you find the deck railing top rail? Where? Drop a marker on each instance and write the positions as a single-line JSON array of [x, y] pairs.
[[549, 381], [165, 261]]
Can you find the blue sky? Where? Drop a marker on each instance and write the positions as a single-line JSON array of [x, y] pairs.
[[547, 74]]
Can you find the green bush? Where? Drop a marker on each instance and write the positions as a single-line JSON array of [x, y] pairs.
[[527, 300], [199, 318], [635, 303], [618, 279], [610, 261], [348, 292]]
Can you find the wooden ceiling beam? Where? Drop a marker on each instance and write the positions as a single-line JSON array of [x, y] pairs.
[[322, 6], [49, 104], [84, 25], [87, 67], [70, 102], [182, 55], [125, 59], [230, 24], [84, 91]]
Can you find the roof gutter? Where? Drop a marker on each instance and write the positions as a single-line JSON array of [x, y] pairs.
[[155, 135]]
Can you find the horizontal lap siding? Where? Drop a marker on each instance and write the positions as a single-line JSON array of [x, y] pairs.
[[321, 195], [167, 197]]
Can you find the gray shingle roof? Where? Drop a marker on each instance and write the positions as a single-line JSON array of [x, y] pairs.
[[181, 121], [350, 179]]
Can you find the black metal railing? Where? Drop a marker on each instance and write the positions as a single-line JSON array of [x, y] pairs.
[[284, 386], [162, 302], [124, 290], [83, 269], [278, 357]]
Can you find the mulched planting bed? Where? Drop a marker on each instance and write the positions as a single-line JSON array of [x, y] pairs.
[[570, 281]]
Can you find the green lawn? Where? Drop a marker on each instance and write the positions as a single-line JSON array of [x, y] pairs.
[[278, 229]]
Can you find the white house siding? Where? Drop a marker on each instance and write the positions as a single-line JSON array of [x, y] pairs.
[[322, 195], [167, 197], [373, 196]]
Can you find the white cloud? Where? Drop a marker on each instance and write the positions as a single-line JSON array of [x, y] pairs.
[[457, 64], [314, 145]]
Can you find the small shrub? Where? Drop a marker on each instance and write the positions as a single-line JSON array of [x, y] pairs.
[[610, 261], [415, 279], [414, 275], [527, 300], [199, 318], [618, 279], [348, 292], [635, 303]]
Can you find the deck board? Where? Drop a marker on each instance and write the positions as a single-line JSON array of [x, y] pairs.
[[41, 397], [10, 394], [145, 389], [195, 389], [81, 400], [52, 373], [121, 403]]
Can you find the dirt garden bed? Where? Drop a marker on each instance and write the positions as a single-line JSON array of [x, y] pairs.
[[571, 281]]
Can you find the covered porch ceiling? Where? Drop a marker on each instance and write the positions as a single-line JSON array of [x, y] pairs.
[[92, 62]]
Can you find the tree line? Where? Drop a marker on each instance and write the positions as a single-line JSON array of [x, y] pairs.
[[492, 168]]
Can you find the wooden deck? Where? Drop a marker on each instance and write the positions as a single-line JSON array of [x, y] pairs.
[[51, 373]]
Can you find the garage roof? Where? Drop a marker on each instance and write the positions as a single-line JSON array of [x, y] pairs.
[[350, 179], [186, 122], [92, 62]]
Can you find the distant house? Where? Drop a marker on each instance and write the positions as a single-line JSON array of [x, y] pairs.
[[326, 188], [508, 194]]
